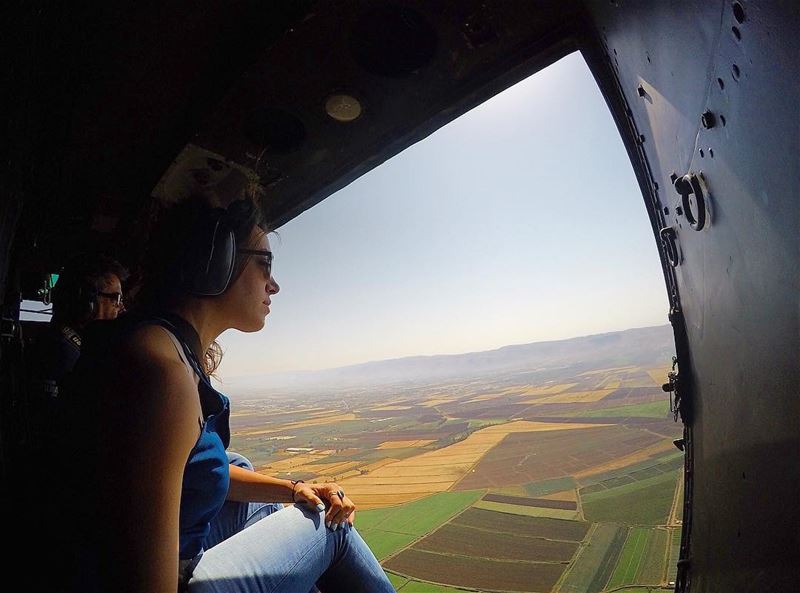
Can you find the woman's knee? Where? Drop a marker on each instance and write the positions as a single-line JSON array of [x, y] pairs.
[[239, 460]]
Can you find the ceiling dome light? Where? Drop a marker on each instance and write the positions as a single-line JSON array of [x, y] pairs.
[[344, 108]]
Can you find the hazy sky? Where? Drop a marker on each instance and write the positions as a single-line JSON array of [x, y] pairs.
[[521, 221]]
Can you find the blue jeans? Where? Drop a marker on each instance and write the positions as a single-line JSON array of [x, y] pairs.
[[253, 549]]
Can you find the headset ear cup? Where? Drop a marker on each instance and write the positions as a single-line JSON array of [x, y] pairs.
[[88, 296], [210, 271]]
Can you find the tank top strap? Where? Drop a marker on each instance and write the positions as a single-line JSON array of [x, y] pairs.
[[179, 350]]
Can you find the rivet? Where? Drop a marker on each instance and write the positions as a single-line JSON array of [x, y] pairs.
[[721, 84], [708, 120], [736, 33], [735, 72]]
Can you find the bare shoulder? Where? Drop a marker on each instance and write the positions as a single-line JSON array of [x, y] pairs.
[[152, 383], [151, 354]]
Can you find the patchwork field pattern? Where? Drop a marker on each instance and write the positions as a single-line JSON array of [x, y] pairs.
[[493, 552], [523, 458], [570, 484], [439, 470]]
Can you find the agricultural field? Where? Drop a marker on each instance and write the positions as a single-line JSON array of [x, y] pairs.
[[388, 530], [567, 485], [596, 560], [480, 573], [643, 502], [523, 457], [641, 559]]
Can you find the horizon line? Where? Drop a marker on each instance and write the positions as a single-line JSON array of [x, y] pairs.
[[301, 371]]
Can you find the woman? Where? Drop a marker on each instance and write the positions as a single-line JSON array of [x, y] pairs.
[[153, 520]]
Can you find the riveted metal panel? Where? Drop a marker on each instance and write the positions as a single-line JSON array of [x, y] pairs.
[[738, 280]]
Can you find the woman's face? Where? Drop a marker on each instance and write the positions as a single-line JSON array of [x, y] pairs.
[[247, 301]]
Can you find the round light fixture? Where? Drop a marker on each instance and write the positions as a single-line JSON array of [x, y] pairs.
[[344, 108]]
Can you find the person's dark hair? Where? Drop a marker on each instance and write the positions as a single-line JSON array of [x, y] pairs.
[[172, 234], [80, 276]]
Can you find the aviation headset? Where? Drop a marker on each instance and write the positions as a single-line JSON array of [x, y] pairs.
[[75, 295], [207, 265]]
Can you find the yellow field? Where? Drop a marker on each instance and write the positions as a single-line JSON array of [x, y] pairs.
[[436, 401], [573, 397], [404, 444], [609, 371], [391, 408], [328, 468], [550, 390], [304, 423], [659, 376], [376, 464], [571, 495], [485, 397], [609, 383], [294, 462], [436, 471]]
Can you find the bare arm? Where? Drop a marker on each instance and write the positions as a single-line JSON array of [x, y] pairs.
[[250, 486], [151, 411]]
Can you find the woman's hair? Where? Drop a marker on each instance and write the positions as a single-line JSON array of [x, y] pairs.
[[172, 238]]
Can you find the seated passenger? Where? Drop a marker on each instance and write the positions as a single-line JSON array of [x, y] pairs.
[[147, 458], [88, 288]]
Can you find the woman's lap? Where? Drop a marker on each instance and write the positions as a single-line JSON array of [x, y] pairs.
[[252, 548], [288, 552]]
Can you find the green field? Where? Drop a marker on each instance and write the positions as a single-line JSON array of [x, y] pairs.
[[646, 502], [595, 560], [674, 554], [390, 529], [651, 572], [642, 559], [638, 471], [658, 409], [420, 587]]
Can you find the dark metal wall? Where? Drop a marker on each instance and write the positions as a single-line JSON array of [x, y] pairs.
[[737, 277]]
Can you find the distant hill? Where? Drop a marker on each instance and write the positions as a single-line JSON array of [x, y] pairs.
[[646, 346]]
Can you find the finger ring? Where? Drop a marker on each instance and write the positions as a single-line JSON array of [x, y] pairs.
[[340, 494]]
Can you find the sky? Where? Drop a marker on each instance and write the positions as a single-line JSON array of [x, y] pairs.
[[521, 221]]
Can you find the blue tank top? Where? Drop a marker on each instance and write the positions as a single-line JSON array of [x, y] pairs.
[[206, 475]]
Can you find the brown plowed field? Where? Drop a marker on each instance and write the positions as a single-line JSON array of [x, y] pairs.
[[532, 502], [482, 410], [556, 529], [530, 457], [480, 573], [469, 541]]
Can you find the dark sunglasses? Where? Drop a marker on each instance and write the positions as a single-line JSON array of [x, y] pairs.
[[266, 262], [114, 296]]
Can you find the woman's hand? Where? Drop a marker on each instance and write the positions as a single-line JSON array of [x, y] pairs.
[[341, 509]]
